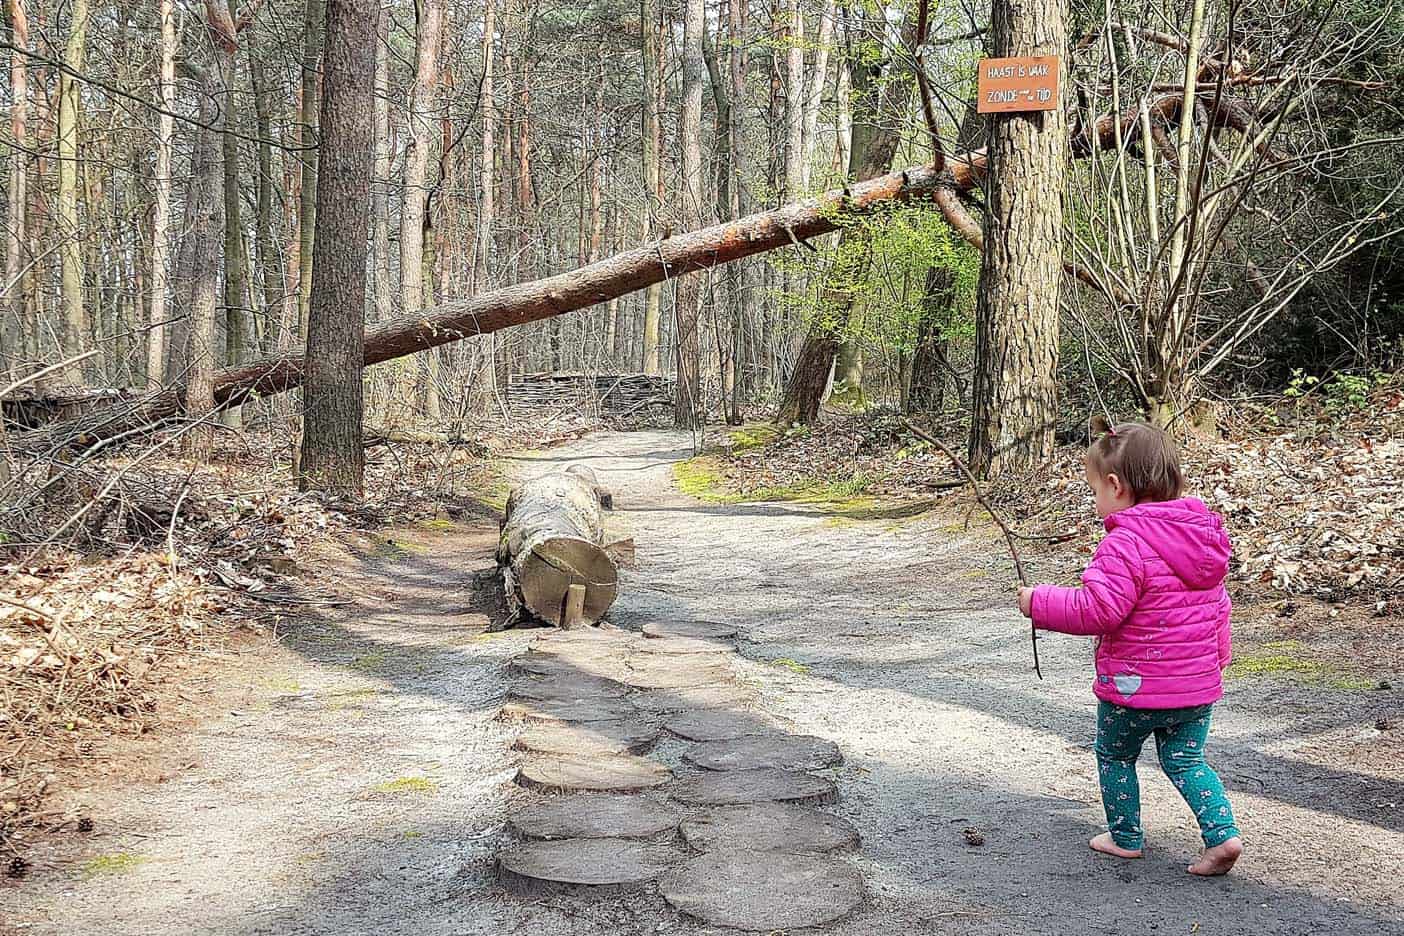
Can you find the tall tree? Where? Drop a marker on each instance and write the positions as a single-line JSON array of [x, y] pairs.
[[19, 328], [380, 196], [71, 234], [309, 138], [1016, 345], [794, 103], [268, 268], [205, 209], [333, 457], [687, 409], [814, 96], [648, 19], [485, 253], [416, 193]]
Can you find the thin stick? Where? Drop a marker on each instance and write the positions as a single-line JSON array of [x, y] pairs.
[[979, 496]]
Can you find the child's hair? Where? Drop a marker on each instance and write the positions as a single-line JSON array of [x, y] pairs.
[[1142, 456]]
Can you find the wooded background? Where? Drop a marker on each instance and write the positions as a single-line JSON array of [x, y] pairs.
[[164, 161]]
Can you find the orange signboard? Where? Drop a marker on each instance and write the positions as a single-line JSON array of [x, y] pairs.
[[1027, 83]]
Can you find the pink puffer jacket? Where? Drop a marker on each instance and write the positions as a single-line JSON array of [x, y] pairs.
[[1154, 596]]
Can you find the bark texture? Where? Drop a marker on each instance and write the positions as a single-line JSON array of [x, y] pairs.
[[1016, 345], [553, 538], [333, 457]]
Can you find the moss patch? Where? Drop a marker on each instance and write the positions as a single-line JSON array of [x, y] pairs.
[[754, 436], [1287, 659], [437, 524], [793, 666], [118, 863], [377, 661], [406, 786]]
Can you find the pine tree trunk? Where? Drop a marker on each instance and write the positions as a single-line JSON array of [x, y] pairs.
[[652, 176], [310, 139], [236, 319], [384, 301], [925, 391], [485, 254], [206, 209], [1016, 345], [333, 456], [815, 95], [415, 201], [688, 411], [737, 273], [270, 275], [20, 326], [75, 313]]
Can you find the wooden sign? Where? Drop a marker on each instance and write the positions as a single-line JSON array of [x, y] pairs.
[[1027, 83]]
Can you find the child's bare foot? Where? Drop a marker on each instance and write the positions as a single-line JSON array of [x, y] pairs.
[[1219, 859], [1107, 846]]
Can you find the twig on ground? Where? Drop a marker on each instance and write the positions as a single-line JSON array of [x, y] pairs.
[[980, 496]]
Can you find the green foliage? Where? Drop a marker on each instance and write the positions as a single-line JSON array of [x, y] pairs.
[[881, 263]]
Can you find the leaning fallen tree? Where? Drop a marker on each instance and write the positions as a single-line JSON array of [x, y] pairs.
[[530, 302]]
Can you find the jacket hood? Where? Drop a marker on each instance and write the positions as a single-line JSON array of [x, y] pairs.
[[1187, 535]]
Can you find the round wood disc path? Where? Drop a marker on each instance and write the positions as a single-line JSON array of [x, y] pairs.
[[763, 891], [595, 816], [596, 865]]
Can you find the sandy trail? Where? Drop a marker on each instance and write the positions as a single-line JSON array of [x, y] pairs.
[[356, 782]]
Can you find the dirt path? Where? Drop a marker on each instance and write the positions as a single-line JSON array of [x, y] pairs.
[[357, 782]]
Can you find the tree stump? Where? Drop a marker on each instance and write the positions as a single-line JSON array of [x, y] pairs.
[[663, 701], [763, 891], [595, 816], [566, 689], [553, 538], [601, 710]]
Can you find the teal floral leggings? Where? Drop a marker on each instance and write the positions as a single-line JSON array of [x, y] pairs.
[[1180, 735]]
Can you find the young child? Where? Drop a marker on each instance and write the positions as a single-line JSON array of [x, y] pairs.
[[1154, 597]]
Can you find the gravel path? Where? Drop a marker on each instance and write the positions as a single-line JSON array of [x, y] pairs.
[[356, 781]]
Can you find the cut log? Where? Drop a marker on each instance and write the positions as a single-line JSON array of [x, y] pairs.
[[735, 788], [589, 739], [751, 752], [552, 539]]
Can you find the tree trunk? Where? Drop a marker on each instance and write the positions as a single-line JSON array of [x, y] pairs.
[[380, 196], [311, 143], [206, 210], [20, 327], [925, 392], [652, 177], [1016, 344], [71, 235], [485, 255], [553, 538], [543, 299], [333, 458], [415, 202], [874, 144], [269, 273], [236, 319], [815, 95], [794, 103], [688, 409]]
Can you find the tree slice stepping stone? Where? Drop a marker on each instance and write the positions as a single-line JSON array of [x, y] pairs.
[[681, 646], [738, 787], [784, 827], [566, 689], [660, 701], [701, 630], [718, 725], [595, 816], [558, 667], [763, 891], [586, 739], [584, 710], [590, 865], [670, 673], [612, 773], [781, 751]]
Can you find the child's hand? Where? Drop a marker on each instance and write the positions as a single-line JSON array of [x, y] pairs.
[[1026, 602]]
